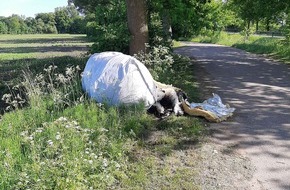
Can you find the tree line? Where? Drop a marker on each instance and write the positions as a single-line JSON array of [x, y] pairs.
[[113, 24], [62, 20]]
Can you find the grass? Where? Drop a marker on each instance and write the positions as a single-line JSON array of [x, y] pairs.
[[14, 47], [275, 47], [62, 140], [34, 52]]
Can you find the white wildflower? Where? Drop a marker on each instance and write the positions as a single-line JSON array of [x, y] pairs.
[[62, 119], [103, 130], [39, 130], [69, 71], [23, 133], [61, 78], [30, 137], [105, 162], [6, 164], [50, 142], [74, 122], [78, 68], [58, 137], [6, 97]]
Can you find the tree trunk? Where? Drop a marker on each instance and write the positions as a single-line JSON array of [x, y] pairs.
[[138, 25], [268, 25]]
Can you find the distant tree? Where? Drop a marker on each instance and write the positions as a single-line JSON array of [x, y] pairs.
[[287, 26], [31, 25], [259, 10], [48, 20], [270, 10], [78, 25], [66, 17], [3, 26], [40, 26], [13, 23], [62, 20]]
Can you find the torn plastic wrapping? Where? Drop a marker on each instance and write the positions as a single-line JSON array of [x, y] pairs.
[[215, 106]]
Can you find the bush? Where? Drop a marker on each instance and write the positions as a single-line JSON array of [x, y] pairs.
[[159, 60]]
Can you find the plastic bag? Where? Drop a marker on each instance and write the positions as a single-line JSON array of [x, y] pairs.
[[216, 107]]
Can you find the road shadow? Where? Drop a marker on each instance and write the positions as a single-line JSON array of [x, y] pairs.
[[259, 89]]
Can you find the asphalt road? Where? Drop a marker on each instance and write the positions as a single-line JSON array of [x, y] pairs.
[[259, 89]]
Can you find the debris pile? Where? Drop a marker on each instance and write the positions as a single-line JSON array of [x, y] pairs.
[[115, 78], [212, 109]]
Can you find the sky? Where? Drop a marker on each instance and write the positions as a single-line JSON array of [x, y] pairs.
[[29, 8]]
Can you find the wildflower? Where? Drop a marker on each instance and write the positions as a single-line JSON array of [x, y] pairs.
[[30, 137], [61, 78], [61, 119], [50, 142], [74, 122], [103, 130], [39, 130], [6, 164], [23, 133], [69, 71], [39, 77], [105, 162], [90, 161], [58, 137], [7, 98]]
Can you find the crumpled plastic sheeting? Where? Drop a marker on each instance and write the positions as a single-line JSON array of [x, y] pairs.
[[216, 107], [116, 78]]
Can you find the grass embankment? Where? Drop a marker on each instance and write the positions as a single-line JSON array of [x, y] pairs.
[[275, 47], [62, 140]]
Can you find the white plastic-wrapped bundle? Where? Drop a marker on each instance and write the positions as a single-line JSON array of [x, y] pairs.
[[116, 78]]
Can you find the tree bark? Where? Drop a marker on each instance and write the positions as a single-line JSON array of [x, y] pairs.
[[138, 25]]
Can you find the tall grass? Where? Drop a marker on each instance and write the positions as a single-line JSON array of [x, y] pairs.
[[59, 139]]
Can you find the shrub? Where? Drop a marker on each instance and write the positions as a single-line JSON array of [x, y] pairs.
[[159, 60]]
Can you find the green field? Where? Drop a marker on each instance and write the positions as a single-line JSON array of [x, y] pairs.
[[42, 46], [34, 52], [57, 138]]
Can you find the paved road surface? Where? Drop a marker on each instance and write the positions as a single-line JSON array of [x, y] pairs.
[[260, 91]]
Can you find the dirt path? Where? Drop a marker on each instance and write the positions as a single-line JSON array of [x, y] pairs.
[[259, 89]]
